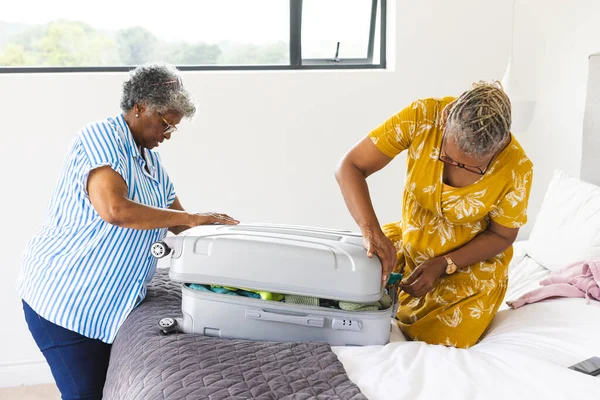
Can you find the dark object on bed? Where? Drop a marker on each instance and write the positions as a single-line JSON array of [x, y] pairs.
[[591, 366], [147, 365]]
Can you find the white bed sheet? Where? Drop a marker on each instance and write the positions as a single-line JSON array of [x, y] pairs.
[[524, 355]]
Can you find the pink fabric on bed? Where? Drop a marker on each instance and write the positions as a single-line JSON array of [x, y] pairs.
[[581, 279]]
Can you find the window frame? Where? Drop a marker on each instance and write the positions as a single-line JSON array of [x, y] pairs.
[[295, 51]]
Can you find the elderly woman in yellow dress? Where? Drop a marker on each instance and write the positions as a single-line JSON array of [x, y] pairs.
[[465, 198]]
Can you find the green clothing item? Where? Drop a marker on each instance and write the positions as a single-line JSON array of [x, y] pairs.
[[263, 295], [383, 303]]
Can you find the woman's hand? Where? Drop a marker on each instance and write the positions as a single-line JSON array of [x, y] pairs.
[[211, 218], [377, 243], [422, 280]]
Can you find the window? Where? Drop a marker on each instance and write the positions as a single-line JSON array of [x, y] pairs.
[[65, 35], [338, 31]]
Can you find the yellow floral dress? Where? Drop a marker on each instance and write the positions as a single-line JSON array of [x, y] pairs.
[[438, 219]]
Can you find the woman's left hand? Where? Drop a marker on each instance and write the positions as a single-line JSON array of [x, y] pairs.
[[422, 280]]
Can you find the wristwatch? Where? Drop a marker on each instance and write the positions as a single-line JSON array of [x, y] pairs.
[[451, 267]]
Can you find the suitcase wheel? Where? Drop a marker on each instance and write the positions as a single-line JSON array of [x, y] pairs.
[[167, 325], [159, 249]]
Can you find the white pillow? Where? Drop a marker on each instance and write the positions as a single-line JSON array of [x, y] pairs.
[[567, 229]]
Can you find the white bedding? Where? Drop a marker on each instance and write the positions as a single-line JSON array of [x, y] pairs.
[[524, 355]]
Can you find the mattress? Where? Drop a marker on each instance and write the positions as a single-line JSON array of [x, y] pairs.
[[525, 353]]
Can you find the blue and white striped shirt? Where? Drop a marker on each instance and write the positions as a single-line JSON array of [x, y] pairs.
[[79, 271]]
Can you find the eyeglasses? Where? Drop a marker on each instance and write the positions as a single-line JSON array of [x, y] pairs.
[[176, 82], [447, 160], [168, 128]]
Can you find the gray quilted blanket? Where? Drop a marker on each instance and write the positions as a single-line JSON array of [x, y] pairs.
[[146, 365]]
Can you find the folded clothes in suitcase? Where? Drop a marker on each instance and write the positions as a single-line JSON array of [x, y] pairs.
[[325, 264]]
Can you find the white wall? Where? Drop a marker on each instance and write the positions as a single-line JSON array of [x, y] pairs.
[[588, 32], [264, 144], [553, 41], [544, 48]]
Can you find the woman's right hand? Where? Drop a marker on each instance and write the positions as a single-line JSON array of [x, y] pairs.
[[211, 218], [375, 241]]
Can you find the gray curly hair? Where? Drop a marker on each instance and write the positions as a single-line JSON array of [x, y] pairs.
[[480, 119], [159, 88]]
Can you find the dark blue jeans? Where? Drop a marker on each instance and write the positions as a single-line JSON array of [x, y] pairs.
[[78, 363]]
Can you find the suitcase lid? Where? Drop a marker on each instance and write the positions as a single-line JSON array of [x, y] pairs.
[[324, 263]]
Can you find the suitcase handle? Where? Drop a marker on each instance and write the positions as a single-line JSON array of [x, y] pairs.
[[304, 320]]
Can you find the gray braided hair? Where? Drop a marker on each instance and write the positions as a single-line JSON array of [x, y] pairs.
[[159, 88], [479, 119]]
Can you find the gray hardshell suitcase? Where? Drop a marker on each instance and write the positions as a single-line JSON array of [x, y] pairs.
[[327, 264]]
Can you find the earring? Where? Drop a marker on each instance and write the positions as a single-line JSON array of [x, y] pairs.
[[137, 116]]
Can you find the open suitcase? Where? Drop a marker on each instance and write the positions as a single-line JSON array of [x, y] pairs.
[[326, 264]]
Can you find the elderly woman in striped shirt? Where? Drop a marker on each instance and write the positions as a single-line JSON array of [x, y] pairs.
[[87, 268]]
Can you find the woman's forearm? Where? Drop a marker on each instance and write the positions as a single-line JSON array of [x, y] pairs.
[[107, 192], [483, 247], [352, 172], [355, 191], [129, 214]]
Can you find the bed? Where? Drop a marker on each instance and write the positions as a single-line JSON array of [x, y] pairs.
[[524, 354]]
